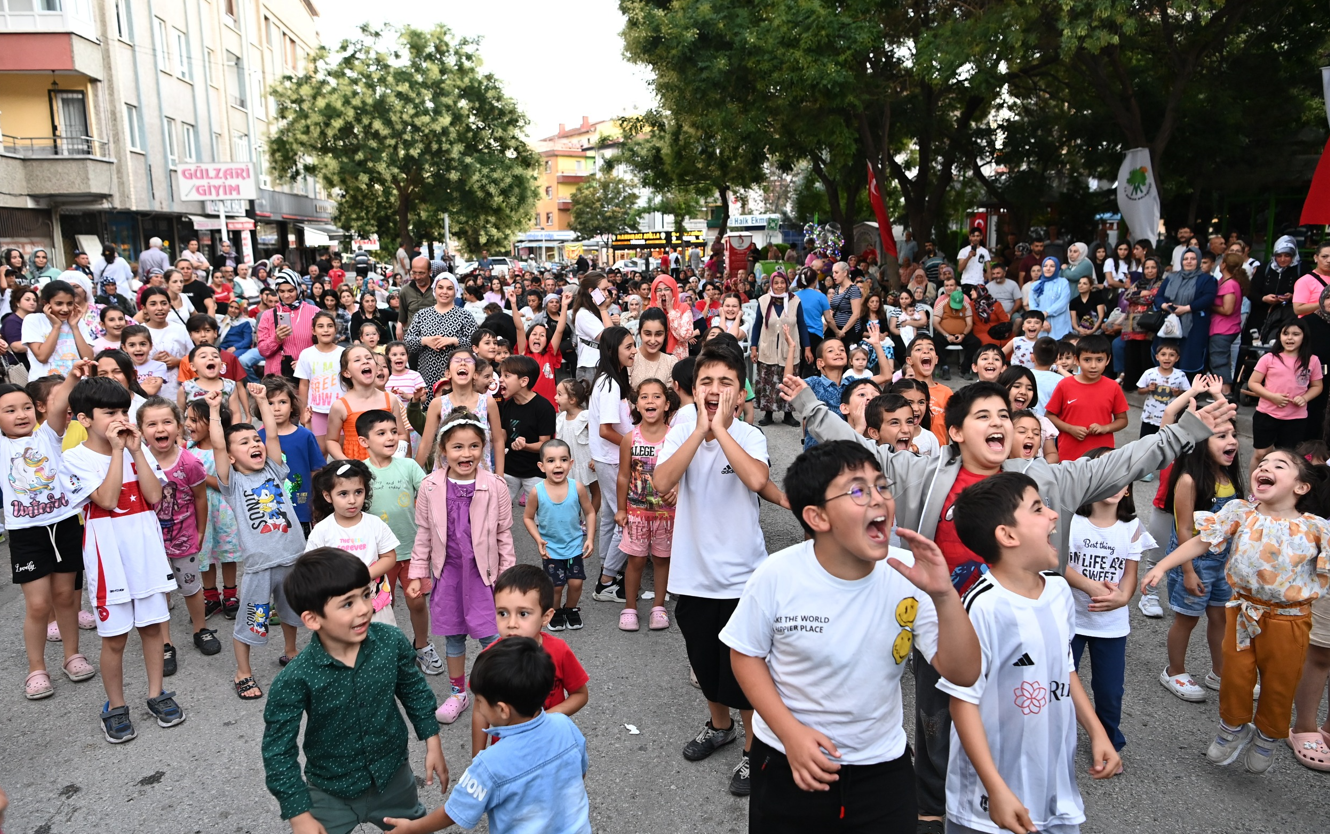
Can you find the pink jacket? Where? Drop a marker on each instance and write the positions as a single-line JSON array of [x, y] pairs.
[[491, 527]]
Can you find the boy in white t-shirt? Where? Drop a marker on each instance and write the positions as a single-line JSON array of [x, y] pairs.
[[718, 465], [1020, 350], [820, 640], [1013, 741], [973, 260], [1161, 385]]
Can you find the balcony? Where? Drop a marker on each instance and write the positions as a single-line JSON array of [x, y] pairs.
[[56, 170], [31, 147], [571, 178], [565, 203], [53, 16]]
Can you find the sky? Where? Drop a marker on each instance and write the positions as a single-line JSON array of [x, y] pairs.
[[557, 65]]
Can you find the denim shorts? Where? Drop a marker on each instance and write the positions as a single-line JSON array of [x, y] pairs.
[[1210, 569]]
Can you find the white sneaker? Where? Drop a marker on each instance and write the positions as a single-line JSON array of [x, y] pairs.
[[1212, 681], [1150, 607], [1184, 686], [1229, 744], [429, 661]]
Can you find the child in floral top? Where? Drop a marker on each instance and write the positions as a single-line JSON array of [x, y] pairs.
[[1279, 564]]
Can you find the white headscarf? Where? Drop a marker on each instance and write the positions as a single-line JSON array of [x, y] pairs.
[[1286, 244]]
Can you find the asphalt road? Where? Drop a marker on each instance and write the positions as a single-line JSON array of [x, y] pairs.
[[207, 774]]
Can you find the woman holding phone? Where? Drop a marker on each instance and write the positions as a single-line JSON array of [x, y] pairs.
[[591, 316]]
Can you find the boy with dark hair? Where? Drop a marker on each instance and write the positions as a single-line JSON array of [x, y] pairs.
[[349, 677], [528, 421], [717, 463], [682, 377], [533, 781], [854, 399], [203, 330], [1087, 408], [828, 696], [1013, 760], [889, 420], [981, 434], [1046, 379], [1066, 364], [922, 358]]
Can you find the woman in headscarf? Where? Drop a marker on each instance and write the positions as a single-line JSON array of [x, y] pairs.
[[435, 332], [1317, 325], [665, 294], [42, 269], [1189, 294], [1272, 289], [920, 287], [778, 313], [1051, 295], [1131, 350], [1078, 266]]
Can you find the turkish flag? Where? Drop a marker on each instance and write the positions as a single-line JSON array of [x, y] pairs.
[[1316, 208], [880, 209]]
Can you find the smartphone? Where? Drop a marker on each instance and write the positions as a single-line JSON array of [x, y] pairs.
[[598, 296], [283, 318]]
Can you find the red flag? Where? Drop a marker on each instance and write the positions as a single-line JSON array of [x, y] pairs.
[[1316, 208], [880, 209]]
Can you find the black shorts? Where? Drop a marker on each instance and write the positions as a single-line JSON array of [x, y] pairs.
[[1267, 431], [866, 798], [561, 570], [1148, 429], [701, 620], [37, 552]]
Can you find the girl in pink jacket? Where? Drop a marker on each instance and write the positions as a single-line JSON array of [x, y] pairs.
[[465, 518]]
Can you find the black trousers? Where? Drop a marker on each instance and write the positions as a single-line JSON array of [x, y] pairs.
[[932, 739], [875, 798]]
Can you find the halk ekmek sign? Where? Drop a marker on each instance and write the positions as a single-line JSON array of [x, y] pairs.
[[228, 181]]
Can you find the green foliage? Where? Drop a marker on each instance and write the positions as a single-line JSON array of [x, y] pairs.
[[404, 126], [603, 205]]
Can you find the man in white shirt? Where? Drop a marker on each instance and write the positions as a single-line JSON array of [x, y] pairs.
[[973, 260], [1005, 292], [114, 267]]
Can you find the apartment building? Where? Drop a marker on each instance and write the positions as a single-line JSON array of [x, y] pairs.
[[102, 103]]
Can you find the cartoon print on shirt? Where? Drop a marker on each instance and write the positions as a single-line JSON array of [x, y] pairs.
[[32, 484], [906, 610], [263, 508]]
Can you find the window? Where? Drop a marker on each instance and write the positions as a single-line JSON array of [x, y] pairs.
[[182, 55], [217, 147], [209, 61], [190, 141], [549, 192], [236, 77], [577, 164], [159, 46], [240, 147], [172, 155], [122, 29], [547, 166], [261, 166], [230, 6], [132, 128], [549, 218], [537, 218]]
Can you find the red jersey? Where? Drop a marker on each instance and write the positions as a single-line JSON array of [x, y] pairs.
[[965, 565], [569, 676], [548, 362], [1080, 404]]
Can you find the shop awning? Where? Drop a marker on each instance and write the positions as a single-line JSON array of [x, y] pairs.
[[321, 234]]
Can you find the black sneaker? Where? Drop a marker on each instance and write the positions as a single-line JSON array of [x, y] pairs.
[[740, 783], [211, 606], [230, 605], [205, 640], [168, 660], [790, 421], [116, 724], [611, 591], [557, 622], [168, 713], [767, 420], [573, 616], [944, 373], [708, 741]]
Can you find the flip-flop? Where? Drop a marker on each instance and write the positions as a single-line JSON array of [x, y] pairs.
[[1311, 750], [247, 685]]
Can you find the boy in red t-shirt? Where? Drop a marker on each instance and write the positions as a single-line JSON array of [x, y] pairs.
[[1087, 408], [524, 602]]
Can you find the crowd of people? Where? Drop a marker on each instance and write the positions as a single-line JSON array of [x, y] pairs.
[[300, 450]]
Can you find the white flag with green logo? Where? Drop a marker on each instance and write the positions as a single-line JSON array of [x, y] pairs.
[[1138, 198]]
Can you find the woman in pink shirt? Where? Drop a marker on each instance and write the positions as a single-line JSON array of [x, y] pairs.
[[280, 344], [1226, 323], [1307, 291]]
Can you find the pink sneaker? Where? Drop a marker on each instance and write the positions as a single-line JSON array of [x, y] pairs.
[[628, 620], [453, 706], [658, 620]]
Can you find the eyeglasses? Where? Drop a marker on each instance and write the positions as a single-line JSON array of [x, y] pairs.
[[860, 495]]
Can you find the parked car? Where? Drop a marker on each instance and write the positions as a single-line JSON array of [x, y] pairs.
[[634, 264], [499, 267]]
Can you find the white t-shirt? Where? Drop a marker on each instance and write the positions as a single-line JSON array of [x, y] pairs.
[[1169, 387], [1101, 554], [1022, 352], [173, 339], [1024, 699], [835, 648], [34, 493], [587, 328], [974, 268], [321, 369], [368, 540], [36, 327], [926, 442], [717, 539], [607, 407]]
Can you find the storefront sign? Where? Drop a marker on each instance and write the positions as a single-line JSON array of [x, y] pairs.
[[228, 181], [755, 221], [638, 240]]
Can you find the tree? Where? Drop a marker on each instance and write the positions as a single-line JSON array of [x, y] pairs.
[[405, 126], [603, 205]]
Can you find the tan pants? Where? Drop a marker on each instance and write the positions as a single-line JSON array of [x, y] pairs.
[[1278, 653]]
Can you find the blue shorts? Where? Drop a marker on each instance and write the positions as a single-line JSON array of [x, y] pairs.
[[1210, 569]]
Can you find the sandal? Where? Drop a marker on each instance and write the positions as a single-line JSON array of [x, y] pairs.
[[245, 685], [38, 686], [86, 621], [1311, 750], [283, 660], [77, 668], [658, 619], [53, 632], [628, 620]]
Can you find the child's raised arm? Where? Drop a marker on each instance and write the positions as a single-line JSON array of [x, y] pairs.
[[216, 434], [1182, 555], [107, 496], [557, 338], [884, 365], [518, 323], [271, 438], [1201, 384], [57, 405]]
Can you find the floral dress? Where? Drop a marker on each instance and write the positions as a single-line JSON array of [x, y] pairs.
[[221, 541]]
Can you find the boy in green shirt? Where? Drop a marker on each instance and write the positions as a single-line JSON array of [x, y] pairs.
[[347, 682], [396, 483]]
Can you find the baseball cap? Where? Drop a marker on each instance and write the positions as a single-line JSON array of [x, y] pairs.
[[957, 301]]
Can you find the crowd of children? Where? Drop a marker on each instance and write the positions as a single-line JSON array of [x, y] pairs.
[[983, 538]]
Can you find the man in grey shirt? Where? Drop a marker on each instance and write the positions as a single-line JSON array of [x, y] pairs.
[[153, 258], [1005, 292]]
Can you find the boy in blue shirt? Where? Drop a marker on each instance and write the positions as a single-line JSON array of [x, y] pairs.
[[531, 781]]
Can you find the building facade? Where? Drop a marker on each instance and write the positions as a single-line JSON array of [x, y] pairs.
[[103, 103]]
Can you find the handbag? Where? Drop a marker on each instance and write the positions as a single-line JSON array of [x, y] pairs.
[[15, 371], [1150, 321]]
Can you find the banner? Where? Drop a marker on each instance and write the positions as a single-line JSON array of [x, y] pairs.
[[1138, 199], [880, 210], [226, 181]]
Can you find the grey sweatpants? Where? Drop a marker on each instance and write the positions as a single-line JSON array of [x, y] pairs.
[[612, 558]]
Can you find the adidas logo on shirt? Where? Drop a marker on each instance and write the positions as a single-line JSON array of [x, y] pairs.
[[1024, 660], [728, 470]]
